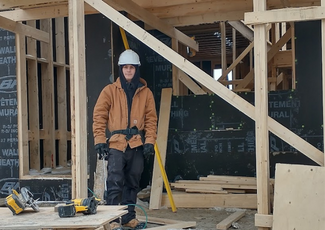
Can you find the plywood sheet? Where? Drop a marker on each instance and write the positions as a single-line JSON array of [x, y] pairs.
[[47, 218], [299, 197]]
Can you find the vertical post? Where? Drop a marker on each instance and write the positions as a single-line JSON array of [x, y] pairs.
[[261, 114], [293, 50], [61, 90], [223, 47], [33, 102], [48, 97], [234, 56], [22, 105], [78, 98], [323, 74]]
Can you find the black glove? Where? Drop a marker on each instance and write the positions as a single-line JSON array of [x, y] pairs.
[[102, 150], [148, 150]]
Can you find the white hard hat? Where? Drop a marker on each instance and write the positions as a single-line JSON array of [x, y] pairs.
[[129, 57]]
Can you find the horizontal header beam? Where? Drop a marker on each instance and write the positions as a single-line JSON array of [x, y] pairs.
[[285, 15]]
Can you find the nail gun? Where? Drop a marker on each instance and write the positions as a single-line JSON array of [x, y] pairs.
[[86, 206], [18, 202]]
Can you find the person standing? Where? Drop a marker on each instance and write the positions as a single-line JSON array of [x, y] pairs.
[[127, 108]]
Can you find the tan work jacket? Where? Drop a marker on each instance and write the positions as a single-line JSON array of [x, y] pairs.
[[111, 111]]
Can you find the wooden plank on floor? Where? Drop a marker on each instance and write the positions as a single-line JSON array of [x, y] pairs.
[[182, 225], [299, 193], [193, 200], [226, 223]]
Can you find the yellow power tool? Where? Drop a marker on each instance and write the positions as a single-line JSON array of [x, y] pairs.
[[86, 206], [18, 202]]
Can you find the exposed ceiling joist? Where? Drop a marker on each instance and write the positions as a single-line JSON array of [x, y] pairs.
[[152, 20]]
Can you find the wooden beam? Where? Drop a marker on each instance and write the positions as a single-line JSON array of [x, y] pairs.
[[194, 200], [264, 221], [154, 21], [22, 115], [181, 225], [175, 70], [271, 53], [195, 88], [162, 136], [223, 46], [246, 31], [206, 80], [204, 18], [25, 30], [8, 4], [78, 98], [61, 90], [226, 223], [285, 15], [237, 61], [261, 114], [55, 11], [33, 102], [48, 115]]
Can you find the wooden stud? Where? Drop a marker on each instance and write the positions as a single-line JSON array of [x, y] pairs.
[[48, 98], [234, 54], [61, 90], [78, 98], [223, 47], [293, 50], [33, 103], [175, 71], [22, 115]]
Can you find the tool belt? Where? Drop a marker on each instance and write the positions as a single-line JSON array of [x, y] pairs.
[[129, 132]]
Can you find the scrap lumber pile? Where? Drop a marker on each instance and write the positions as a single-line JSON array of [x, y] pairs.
[[215, 191]]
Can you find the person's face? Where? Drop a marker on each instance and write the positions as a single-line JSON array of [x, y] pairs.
[[128, 71]]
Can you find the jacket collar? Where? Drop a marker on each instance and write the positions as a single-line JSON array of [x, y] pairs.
[[118, 84]]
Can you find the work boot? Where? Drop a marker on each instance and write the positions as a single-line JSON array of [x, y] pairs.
[[133, 224], [115, 226]]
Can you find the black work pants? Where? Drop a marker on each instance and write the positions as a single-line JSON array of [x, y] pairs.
[[124, 173]]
